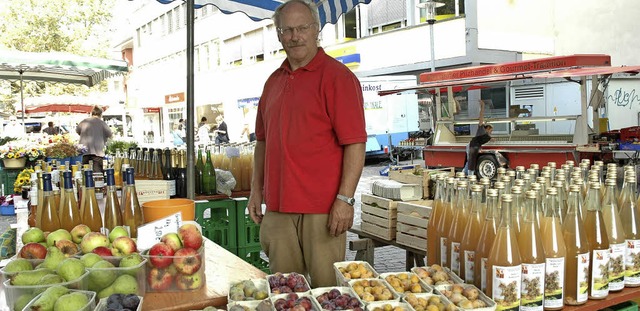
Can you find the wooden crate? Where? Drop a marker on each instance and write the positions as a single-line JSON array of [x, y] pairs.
[[378, 216], [420, 176], [411, 228]]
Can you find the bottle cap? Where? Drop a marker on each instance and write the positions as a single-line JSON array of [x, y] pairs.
[[498, 185], [68, 179], [610, 182], [477, 188], [532, 194], [130, 179], [111, 180], [492, 192], [574, 188], [46, 178], [552, 191], [506, 197], [516, 190], [88, 179]]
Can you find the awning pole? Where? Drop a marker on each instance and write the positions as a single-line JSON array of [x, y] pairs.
[[190, 106], [24, 127]]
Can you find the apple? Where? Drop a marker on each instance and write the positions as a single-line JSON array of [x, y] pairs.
[[60, 234], [33, 250], [123, 245], [67, 247], [160, 255], [187, 261], [78, 232], [117, 232], [33, 234], [103, 251], [173, 240], [92, 240], [159, 279], [193, 281], [190, 236]]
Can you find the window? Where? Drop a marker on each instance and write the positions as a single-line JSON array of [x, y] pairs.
[[196, 55], [138, 37], [207, 56], [170, 22], [350, 24], [446, 11], [163, 25], [254, 45], [176, 15], [233, 50], [271, 40]]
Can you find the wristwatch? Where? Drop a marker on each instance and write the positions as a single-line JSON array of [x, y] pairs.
[[346, 199]]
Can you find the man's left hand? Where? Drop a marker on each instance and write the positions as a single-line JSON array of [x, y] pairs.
[[340, 218]]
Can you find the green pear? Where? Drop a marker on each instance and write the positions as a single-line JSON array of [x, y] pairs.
[[54, 257], [130, 261], [89, 259], [71, 302], [101, 275], [29, 277], [23, 301], [60, 234], [18, 264], [124, 284], [51, 279], [47, 300], [70, 269]]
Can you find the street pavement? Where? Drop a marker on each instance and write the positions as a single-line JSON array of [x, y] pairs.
[[387, 259]]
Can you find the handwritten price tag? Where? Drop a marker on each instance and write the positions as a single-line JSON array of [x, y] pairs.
[[150, 233]]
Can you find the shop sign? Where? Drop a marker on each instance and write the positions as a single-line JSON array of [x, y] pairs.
[[151, 110], [174, 98], [248, 102], [346, 55]]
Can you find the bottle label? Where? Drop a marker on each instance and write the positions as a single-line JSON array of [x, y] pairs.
[[599, 273], [616, 266], [582, 277], [443, 251], [632, 270], [172, 187], [532, 286], [506, 287], [33, 196], [469, 265], [554, 283], [483, 274], [455, 258]]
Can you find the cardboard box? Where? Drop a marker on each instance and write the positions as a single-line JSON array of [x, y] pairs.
[[420, 176], [150, 190]]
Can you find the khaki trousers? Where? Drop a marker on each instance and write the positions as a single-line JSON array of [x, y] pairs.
[[301, 243]]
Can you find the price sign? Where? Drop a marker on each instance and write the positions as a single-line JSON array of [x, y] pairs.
[[150, 233]]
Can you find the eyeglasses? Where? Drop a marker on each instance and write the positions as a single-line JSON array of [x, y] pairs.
[[302, 29]]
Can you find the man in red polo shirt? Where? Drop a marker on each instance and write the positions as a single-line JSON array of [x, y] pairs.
[[309, 153]]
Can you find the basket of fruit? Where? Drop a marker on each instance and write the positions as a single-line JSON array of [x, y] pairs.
[[406, 282], [283, 283], [250, 305], [436, 275], [61, 298], [337, 298], [349, 270], [371, 290], [248, 290], [389, 306], [130, 302], [425, 302], [466, 297], [295, 302]]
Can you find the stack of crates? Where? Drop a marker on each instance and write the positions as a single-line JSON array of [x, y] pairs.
[[226, 223], [8, 178]]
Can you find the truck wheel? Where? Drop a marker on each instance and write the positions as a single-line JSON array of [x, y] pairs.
[[487, 166]]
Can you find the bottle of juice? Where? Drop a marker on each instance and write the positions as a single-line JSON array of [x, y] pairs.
[[576, 281], [615, 233], [506, 180], [630, 217], [209, 181], [504, 263], [487, 235], [49, 220], [562, 198], [69, 213], [457, 227], [532, 255], [91, 213], [433, 238], [537, 187], [117, 166], [598, 244], [554, 252], [535, 170], [199, 171], [486, 185], [112, 212], [517, 207], [445, 221], [472, 230], [132, 216]]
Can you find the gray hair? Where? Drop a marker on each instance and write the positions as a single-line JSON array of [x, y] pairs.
[[310, 5]]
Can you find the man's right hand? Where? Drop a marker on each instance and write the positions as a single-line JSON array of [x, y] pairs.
[[255, 206]]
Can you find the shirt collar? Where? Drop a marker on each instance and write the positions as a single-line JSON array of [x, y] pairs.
[[314, 64]]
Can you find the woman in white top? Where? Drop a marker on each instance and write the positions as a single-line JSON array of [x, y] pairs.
[[203, 132]]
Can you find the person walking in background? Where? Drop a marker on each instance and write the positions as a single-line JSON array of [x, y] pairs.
[[203, 132], [94, 134], [51, 130], [177, 136], [309, 152], [222, 135], [182, 129], [13, 128], [483, 136]]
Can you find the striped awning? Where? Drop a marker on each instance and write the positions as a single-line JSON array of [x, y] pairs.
[[330, 10]]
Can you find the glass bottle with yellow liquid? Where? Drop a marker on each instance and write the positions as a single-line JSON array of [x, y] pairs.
[[155, 170], [457, 227], [598, 244], [112, 212], [433, 238], [630, 216], [445, 220], [554, 252], [562, 198], [532, 256], [49, 220], [91, 212], [117, 166], [246, 157], [471, 231], [616, 235], [517, 207], [576, 281], [236, 166], [485, 241], [504, 263], [132, 216], [40, 199], [68, 211]]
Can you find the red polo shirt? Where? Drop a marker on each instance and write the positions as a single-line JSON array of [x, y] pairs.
[[305, 117]]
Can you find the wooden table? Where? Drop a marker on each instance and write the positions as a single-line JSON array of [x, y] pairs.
[[222, 268], [365, 248]]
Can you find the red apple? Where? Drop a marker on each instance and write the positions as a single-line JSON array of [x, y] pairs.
[[173, 240], [159, 279], [123, 245], [187, 261], [190, 236], [92, 240], [33, 250], [103, 251], [160, 255], [193, 281], [78, 232], [67, 247]]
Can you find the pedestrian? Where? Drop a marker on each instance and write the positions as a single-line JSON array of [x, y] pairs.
[[94, 134], [483, 136], [182, 129], [309, 152], [50, 129], [203, 132], [176, 135], [13, 128], [222, 134]]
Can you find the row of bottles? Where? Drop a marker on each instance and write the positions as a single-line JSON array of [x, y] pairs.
[[545, 240], [237, 159]]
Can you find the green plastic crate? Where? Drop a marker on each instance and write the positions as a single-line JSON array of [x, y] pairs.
[[248, 231], [8, 178], [218, 219], [252, 256], [625, 306]]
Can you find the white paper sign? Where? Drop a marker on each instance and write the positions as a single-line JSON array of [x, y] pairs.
[[150, 233]]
